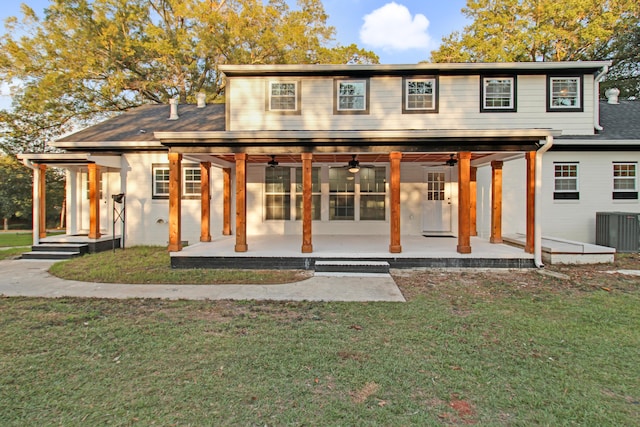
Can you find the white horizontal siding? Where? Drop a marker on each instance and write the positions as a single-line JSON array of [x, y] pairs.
[[459, 107], [568, 219]]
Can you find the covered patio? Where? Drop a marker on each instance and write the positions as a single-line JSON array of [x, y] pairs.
[[283, 252]]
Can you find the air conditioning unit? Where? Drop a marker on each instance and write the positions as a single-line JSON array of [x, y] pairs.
[[619, 230]]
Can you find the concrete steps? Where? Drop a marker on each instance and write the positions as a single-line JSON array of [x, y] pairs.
[[56, 251], [351, 266]]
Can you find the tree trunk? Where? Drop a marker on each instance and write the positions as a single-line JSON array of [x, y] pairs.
[[6, 224]]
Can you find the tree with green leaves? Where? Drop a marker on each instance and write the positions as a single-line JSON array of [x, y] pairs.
[[546, 30], [15, 190], [88, 59]]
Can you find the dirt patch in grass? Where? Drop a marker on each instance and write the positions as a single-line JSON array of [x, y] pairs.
[[486, 285]]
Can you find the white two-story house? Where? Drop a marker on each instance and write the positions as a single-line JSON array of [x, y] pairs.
[[454, 150]]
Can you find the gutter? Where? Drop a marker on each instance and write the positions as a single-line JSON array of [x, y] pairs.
[[596, 97], [537, 238]]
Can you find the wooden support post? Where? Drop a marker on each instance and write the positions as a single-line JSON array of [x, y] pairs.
[[42, 189], [175, 202], [94, 201], [464, 203], [241, 203], [226, 202], [395, 158], [496, 202], [205, 202], [473, 189], [531, 201], [307, 190]]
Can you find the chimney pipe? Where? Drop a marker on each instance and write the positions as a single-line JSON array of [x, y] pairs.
[[201, 99], [173, 102]]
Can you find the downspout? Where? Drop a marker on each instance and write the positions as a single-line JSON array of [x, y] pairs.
[[36, 200], [596, 97], [537, 238]]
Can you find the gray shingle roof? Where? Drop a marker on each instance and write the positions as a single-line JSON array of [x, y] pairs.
[[140, 123], [620, 121]]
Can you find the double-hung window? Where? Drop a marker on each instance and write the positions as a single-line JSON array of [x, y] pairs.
[[372, 193], [420, 95], [566, 181], [564, 94], [191, 182], [283, 97], [277, 193], [160, 182], [191, 179], [624, 181], [342, 194], [498, 94], [351, 96]]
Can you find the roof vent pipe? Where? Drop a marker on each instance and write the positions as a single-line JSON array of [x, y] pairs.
[[201, 98], [612, 95], [174, 109]]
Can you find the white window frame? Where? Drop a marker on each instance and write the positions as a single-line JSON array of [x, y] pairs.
[[339, 96], [356, 195], [156, 194], [187, 180], [559, 194], [272, 97], [486, 96], [285, 194], [555, 102], [625, 193], [433, 95]]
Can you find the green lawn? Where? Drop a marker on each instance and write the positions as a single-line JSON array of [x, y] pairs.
[[467, 348], [152, 264], [19, 238]]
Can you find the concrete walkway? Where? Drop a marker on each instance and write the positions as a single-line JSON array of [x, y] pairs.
[[30, 278]]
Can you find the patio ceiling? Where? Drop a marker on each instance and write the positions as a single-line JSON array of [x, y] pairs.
[[344, 158]]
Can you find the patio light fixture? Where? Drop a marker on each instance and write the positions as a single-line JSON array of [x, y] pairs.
[[272, 163], [354, 165]]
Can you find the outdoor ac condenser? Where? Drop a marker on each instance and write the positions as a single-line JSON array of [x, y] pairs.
[[619, 230]]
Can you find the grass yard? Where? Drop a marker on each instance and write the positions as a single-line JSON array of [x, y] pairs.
[[152, 264], [484, 348], [20, 238]]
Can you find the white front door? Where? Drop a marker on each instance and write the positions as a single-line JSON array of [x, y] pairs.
[[436, 216]]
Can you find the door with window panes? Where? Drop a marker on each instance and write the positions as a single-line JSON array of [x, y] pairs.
[[437, 201]]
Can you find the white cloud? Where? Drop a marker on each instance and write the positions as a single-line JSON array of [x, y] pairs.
[[392, 28]]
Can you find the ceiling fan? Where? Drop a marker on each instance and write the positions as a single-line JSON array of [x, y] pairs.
[[354, 165], [272, 163], [451, 161]]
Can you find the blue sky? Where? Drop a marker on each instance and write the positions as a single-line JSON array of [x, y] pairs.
[[400, 31]]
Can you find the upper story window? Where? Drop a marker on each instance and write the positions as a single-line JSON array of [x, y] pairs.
[[351, 96], [564, 94], [283, 97], [420, 95], [624, 181], [191, 179], [566, 181], [498, 94]]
